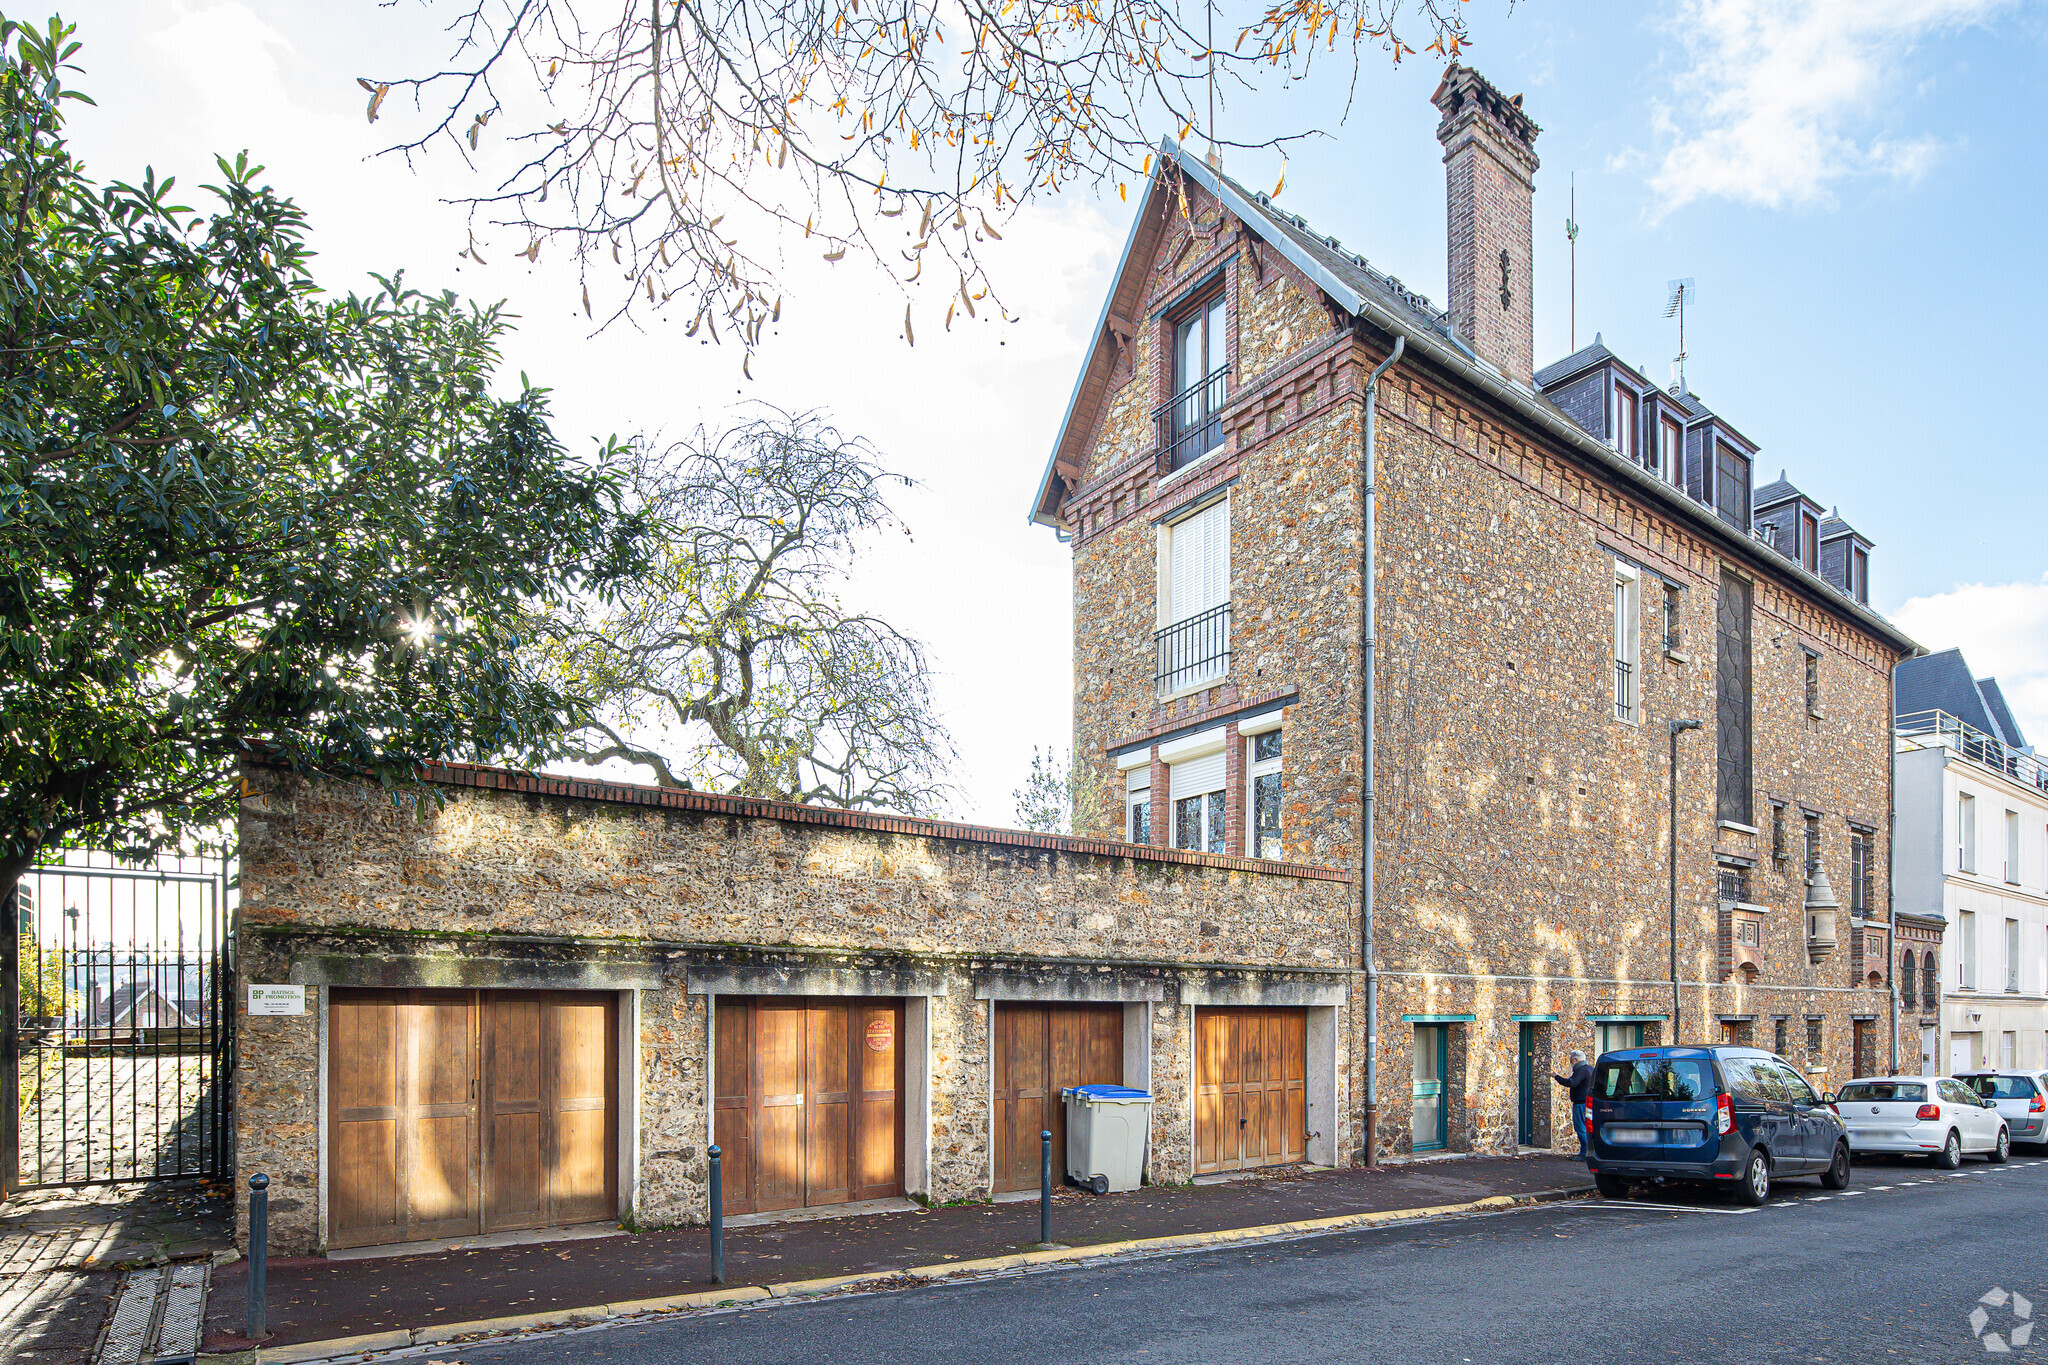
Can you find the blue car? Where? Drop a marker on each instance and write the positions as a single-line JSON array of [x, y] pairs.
[[1733, 1116]]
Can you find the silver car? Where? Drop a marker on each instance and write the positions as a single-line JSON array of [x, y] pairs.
[[1930, 1116], [2021, 1097]]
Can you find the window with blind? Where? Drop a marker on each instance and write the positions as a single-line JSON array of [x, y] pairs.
[[1966, 832], [1671, 451], [1731, 701], [1138, 806], [1192, 646], [1196, 787], [1623, 421]]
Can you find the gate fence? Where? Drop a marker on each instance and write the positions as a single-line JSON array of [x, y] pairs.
[[124, 1030]]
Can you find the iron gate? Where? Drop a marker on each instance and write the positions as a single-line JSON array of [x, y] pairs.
[[125, 1025]]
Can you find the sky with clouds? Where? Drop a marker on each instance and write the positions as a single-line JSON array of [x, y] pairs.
[[1856, 186]]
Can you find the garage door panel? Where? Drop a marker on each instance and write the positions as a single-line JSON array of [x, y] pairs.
[[365, 1159], [581, 1185], [1041, 1050], [503, 1112], [732, 1118], [438, 1184], [1250, 1096]]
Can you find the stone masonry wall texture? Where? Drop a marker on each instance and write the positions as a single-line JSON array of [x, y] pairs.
[[694, 882], [1521, 836]]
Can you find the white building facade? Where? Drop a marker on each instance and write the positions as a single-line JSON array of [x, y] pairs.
[[1971, 863]]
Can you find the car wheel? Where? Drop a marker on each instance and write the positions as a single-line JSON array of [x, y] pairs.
[[1998, 1155], [1836, 1176], [1611, 1186], [1755, 1186], [1951, 1154]]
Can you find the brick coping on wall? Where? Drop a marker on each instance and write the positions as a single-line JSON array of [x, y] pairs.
[[488, 778]]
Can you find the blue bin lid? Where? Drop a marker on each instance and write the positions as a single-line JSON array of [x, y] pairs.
[[1107, 1092]]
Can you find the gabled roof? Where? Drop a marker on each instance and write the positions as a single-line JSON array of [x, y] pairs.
[[1942, 682], [1832, 526], [1778, 491], [1384, 303]]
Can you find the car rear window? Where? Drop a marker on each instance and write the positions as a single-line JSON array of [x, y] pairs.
[[1884, 1090], [1653, 1078], [2001, 1087]]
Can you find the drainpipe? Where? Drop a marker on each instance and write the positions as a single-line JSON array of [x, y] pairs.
[[1678, 727], [1891, 832], [1365, 836]]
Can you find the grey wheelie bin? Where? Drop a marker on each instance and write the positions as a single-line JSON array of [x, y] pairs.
[[1106, 1130]]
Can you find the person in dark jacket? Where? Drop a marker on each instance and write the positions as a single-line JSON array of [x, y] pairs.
[[1580, 1083]]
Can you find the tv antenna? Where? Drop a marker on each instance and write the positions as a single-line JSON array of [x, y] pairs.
[[1682, 292], [1571, 234]]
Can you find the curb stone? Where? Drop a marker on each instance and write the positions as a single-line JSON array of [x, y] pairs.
[[304, 1352]]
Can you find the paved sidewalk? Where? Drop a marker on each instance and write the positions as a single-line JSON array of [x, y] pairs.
[[315, 1299], [62, 1251]]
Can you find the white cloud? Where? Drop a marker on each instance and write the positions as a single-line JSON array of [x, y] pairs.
[[1778, 99], [2002, 629]]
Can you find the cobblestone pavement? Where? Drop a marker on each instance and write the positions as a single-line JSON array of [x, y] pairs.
[[62, 1251], [102, 1118]]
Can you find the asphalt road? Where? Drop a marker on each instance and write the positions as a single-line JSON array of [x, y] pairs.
[[1888, 1271]]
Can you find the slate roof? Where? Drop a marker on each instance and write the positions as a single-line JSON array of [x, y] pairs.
[[1354, 285], [1832, 525], [1585, 358], [1942, 682], [1776, 491]]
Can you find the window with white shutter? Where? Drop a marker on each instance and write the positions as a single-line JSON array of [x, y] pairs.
[[1192, 646], [1196, 786]]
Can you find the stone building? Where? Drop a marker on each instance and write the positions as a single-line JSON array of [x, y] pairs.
[[1560, 564], [538, 1001], [1971, 881]]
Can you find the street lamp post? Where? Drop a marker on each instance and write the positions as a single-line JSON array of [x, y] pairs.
[[1678, 727]]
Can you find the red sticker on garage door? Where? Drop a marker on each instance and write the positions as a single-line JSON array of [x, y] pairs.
[[881, 1034]]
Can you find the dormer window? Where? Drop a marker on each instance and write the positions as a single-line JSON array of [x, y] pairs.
[[1809, 541], [1671, 451], [1731, 486], [1622, 423]]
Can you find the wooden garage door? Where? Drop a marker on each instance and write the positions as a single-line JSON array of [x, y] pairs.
[[808, 1107], [454, 1112], [1039, 1051], [1251, 1102]]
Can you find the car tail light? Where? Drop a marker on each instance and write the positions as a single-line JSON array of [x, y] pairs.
[[1724, 1114], [1928, 1111], [2039, 1106]]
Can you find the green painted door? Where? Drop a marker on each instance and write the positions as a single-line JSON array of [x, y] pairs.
[[1525, 1096], [1432, 1060]]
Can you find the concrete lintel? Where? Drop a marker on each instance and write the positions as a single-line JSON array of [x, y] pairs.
[[1259, 990], [814, 979], [449, 971], [1081, 987]]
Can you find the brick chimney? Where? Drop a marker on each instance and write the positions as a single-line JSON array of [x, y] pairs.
[[1490, 167]]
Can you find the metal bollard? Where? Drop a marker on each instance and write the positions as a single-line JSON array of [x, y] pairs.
[[1045, 1186], [259, 1250], [717, 1219]]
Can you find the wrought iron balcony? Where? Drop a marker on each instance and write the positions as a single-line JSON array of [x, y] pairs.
[[1191, 422], [1193, 652]]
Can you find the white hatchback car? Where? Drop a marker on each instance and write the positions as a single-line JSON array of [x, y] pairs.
[[1931, 1116]]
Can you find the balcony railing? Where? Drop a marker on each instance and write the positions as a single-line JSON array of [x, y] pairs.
[[1191, 422], [1927, 728], [1193, 652]]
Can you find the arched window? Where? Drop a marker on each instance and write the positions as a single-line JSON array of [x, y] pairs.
[[1930, 981], [1906, 977]]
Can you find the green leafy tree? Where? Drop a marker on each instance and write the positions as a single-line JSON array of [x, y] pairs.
[[1059, 798], [730, 661], [42, 981], [238, 515]]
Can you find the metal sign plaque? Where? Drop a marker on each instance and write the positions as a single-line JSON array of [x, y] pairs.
[[277, 999]]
